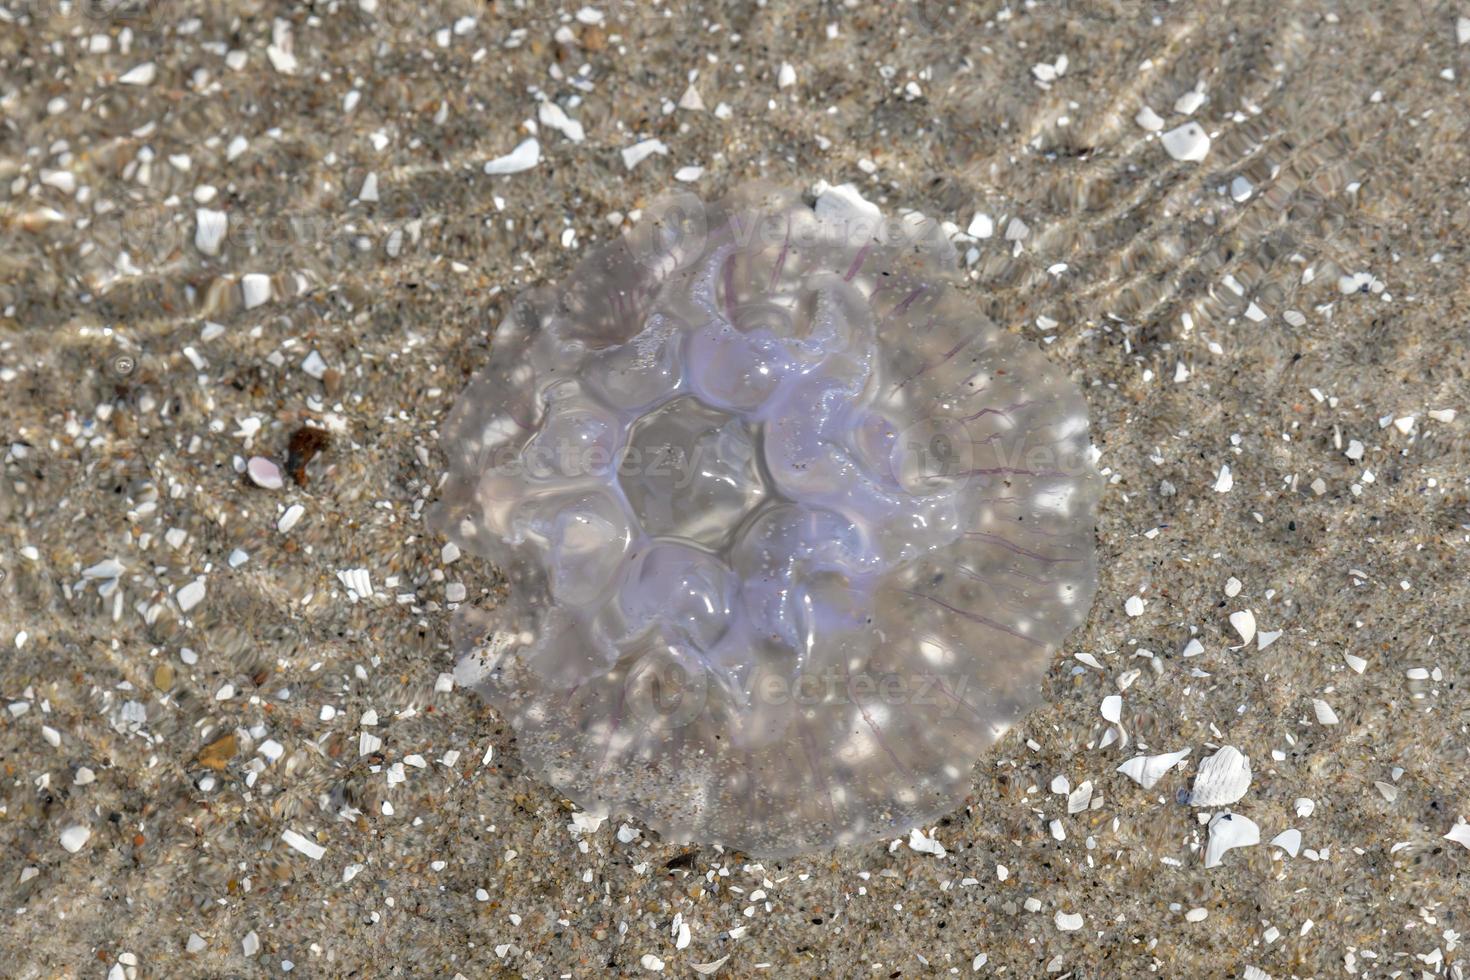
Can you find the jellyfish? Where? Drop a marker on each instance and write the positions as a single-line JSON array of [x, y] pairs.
[[790, 531]]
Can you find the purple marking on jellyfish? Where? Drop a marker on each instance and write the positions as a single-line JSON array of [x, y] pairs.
[[974, 617], [948, 356], [1012, 471], [615, 721], [1011, 572], [1017, 549], [781, 258], [883, 740], [729, 277], [943, 686], [908, 300], [1005, 412], [812, 758], [794, 552]]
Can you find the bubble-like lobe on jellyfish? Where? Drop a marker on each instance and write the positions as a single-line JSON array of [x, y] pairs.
[[790, 531]]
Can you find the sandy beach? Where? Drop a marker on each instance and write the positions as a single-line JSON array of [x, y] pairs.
[[231, 744]]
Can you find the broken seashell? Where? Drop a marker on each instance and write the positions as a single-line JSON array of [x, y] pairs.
[[1227, 832], [1147, 770], [1079, 798], [1245, 624], [1289, 841], [264, 473], [1222, 779]]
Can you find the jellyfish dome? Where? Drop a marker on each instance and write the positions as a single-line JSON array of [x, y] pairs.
[[790, 531]]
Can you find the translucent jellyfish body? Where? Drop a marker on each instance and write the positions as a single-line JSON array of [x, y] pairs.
[[790, 530]]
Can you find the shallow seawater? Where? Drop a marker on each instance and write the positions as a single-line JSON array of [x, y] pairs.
[[228, 231]]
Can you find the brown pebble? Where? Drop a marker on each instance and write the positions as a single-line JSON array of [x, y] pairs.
[[163, 676], [306, 442], [217, 754]]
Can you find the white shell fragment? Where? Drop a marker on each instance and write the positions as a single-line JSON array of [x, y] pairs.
[[143, 74], [264, 473], [1190, 101], [691, 101], [1227, 832], [1460, 834], [586, 822], [1188, 143], [1147, 770], [706, 969], [255, 289], [109, 569], [1069, 921], [290, 518], [209, 230], [844, 202], [552, 115], [191, 595], [1222, 779], [1245, 624], [926, 843], [525, 156], [304, 844], [1289, 841], [638, 152], [75, 837], [1323, 711]]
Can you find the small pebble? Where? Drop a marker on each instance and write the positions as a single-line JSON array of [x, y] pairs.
[[75, 837]]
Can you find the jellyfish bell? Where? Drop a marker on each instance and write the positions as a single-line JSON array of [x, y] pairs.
[[795, 531]]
